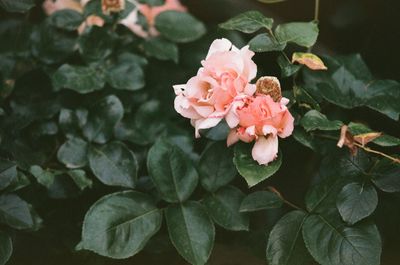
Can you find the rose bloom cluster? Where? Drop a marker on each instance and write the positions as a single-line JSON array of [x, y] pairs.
[[131, 21], [222, 90]]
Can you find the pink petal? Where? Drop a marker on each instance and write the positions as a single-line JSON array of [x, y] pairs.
[[265, 150], [232, 138], [219, 45]]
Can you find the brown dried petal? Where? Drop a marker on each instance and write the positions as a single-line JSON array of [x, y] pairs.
[[269, 85], [347, 139], [112, 6], [365, 138]]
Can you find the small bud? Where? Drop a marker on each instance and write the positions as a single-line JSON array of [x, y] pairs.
[[269, 85], [112, 6]]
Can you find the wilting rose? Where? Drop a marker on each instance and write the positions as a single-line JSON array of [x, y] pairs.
[[50, 6], [150, 13], [262, 119], [208, 97]]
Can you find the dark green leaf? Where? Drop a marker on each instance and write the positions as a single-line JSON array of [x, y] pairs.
[[8, 172], [332, 245], [96, 44], [217, 133], [305, 99], [67, 19], [191, 231], [127, 73], [80, 178], [6, 248], [114, 164], [172, 171], [302, 33], [82, 79], [287, 68], [73, 153], [285, 243], [260, 200], [179, 26], [17, 213], [20, 6], [249, 169], [144, 127], [265, 43], [356, 201], [20, 182], [119, 225], [383, 140], [72, 121], [103, 116], [161, 49], [248, 22], [51, 45], [314, 120], [43, 177], [216, 168], [386, 175], [223, 206]]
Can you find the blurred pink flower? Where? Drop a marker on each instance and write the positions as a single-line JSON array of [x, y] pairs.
[[208, 97], [262, 119], [50, 6], [150, 13]]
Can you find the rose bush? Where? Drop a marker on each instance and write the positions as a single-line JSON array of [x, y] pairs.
[[98, 159]]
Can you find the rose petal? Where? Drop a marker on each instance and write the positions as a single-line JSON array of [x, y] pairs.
[[265, 150]]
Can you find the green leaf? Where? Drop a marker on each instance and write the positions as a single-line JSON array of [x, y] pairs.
[[144, 127], [248, 22], [43, 177], [19, 6], [385, 175], [260, 200], [114, 164], [179, 26], [82, 79], [51, 45], [331, 244], [285, 243], [8, 172], [191, 231], [302, 33], [349, 84], [314, 120], [305, 99], [6, 248], [249, 169], [103, 116], [356, 201], [67, 19], [223, 207], [96, 44], [127, 73], [161, 49], [119, 225], [80, 178], [72, 121], [287, 68], [20, 182], [171, 171], [265, 43], [17, 213], [216, 167], [383, 140], [73, 153]]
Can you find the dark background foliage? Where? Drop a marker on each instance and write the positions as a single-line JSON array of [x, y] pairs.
[[346, 26]]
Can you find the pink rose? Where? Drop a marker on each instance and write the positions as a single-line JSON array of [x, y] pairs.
[[262, 119], [150, 13], [50, 6], [208, 97]]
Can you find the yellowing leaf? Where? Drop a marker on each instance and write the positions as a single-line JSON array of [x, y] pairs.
[[310, 60], [366, 137]]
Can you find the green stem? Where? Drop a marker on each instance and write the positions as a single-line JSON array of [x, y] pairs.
[[275, 39]]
